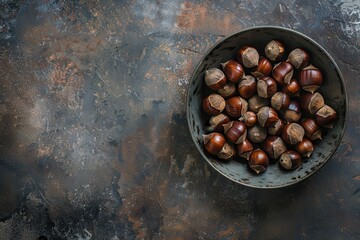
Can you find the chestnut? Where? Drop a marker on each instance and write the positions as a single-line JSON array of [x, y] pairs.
[[256, 134], [249, 118], [267, 116], [216, 123], [247, 87], [229, 90], [214, 142], [305, 148], [233, 70], [293, 88], [311, 102], [248, 56], [236, 106], [215, 78], [258, 161], [280, 100], [326, 116], [277, 128], [292, 133], [312, 129], [213, 104], [282, 73], [256, 102], [235, 131], [310, 78], [292, 113], [266, 87], [244, 149], [299, 58], [227, 152], [290, 160], [274, 146], [274, 50], [264, 68]]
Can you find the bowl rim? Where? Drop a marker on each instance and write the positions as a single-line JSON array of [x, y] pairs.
[[296, 33]]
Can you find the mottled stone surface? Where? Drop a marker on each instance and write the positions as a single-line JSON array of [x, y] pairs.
[[94, 142]]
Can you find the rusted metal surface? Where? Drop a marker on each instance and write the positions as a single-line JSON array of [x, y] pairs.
[[94, 142]]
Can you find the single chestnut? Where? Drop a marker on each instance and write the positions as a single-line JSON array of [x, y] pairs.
[[274, 50], [312, 129], [282, 73], [227, 152], [292, 133], [277, 128], [311, 102], [274, 146], [216, 123], [292, 113], [290, 160], [215, 78], [257, 133], [299, 58], [229, 90], [326, 116], [256, 102], [244, 149], [258, 161], [213, 104], [280, 100], [236, 106], [249, 118], [233, 70], [248, 56], [264, 68], [235, 131], [266, 87], [293, 88], [247, 87], [305, 148], [267, 116], [214, 142], [310, 78]]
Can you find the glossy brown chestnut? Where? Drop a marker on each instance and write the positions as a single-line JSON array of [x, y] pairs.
[[274, 146], [305, 148], [282, 73], [216, 123], [290, 160], [292, 133], [311, 102], [215, 78], [213, 104], [247, 87], [267, 117], [249, 118], [235, 131], [258, 161], [326, 116], [292, 113], [266, 87], [312, 129], [227, 152], [274, 50], [233, 70], [264, 68], [293, 88], [277, 128], [236, 106], [256, 102], [244, 149], [299, 58], [280, 100], [310, 78], [256, 134], [229, 90], [214, 142], [248, 56]]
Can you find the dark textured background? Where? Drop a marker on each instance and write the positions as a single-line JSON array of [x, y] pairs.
[[94, 142]]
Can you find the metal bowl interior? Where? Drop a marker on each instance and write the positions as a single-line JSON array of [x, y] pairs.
[[333, 91]]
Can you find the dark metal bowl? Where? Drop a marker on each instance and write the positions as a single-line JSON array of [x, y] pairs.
[[333, 91]]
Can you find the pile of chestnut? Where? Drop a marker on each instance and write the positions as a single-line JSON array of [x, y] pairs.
[[258, 110]]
